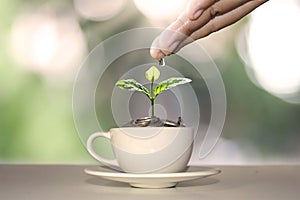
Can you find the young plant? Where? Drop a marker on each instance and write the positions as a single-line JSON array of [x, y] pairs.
[[152, 75]]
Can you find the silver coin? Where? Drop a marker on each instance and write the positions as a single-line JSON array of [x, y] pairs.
[[162, 62], [154, 122]]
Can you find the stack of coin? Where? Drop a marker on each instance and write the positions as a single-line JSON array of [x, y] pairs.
[[154, 122]]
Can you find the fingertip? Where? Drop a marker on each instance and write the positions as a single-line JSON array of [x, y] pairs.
[[157, 54], [160, 55], [156, 48]]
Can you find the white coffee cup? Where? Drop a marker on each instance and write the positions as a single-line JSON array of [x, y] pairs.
[[147, 149]]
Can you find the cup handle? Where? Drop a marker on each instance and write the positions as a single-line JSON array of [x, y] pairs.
[[110, 162]]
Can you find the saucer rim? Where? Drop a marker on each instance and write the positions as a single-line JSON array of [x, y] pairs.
[[107, 172]]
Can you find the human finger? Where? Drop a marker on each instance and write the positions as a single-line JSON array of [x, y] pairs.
[[212, 19], [166, 43], [155, 50], [170, 40], [196, 7], [224, 20]]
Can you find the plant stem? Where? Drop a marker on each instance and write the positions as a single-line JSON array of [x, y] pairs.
[[152, 105], [152, 98]]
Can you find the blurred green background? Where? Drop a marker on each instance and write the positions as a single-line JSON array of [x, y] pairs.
[[43, 44]]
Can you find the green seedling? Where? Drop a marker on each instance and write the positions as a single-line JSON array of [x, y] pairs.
[[152, 75]]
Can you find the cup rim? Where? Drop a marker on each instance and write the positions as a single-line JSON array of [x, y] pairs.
[[150, 127]]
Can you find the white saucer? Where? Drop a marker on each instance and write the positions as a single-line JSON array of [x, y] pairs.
[[158, 180]]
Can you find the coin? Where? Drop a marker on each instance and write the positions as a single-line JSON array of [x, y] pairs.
[[162, 62], [154, 122]]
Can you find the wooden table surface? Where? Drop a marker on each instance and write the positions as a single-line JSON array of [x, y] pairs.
[[43, 182]]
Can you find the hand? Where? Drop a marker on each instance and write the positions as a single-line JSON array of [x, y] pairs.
[[198, 20]]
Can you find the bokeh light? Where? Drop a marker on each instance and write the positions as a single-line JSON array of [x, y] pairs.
[[273, 47], [161, 10], [98, 10], [48, 42]]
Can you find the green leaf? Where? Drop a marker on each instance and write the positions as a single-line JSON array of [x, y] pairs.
[[170, 83], [152, 74], [132, 85]]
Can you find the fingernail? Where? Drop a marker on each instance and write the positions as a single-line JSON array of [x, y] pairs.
[[160, 55], [197, 14]]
